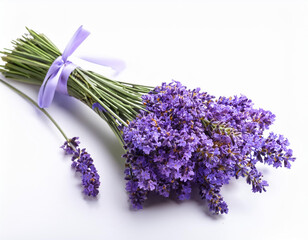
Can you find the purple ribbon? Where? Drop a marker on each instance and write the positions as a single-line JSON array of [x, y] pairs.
[[60, 70]]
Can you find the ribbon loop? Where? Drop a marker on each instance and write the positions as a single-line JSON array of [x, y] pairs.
[[80, 35]]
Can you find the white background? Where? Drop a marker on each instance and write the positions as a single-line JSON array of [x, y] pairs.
[[256, 48]]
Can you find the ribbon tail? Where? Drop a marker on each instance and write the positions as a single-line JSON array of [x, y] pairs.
[[62, 84], [48, 88], [116, 64]]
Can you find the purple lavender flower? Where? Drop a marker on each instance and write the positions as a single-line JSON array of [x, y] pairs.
[[186, 137], [83, 163], [70, 146], [98, 106]]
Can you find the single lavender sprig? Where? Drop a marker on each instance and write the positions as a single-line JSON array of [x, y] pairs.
[[82, 161]]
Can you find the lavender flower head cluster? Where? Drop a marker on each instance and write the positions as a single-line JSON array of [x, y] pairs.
[[83, 163], [188, 138]]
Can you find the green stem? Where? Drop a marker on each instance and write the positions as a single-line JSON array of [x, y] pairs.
[[37, 106]]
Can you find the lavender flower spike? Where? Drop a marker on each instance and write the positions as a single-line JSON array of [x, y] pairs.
[[83, 163]]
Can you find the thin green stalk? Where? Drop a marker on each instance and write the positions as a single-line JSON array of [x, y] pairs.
[[37, 106], [100, 102]]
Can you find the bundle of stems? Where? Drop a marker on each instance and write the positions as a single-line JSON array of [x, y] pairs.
[[32, 56]]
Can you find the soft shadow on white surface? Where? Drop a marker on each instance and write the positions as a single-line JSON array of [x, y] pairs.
[[100, 132], [258, 48]]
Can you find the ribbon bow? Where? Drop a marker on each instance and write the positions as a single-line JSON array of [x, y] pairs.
[[60, 70]]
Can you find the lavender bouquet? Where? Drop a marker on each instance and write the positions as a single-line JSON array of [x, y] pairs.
[[174, 138]]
